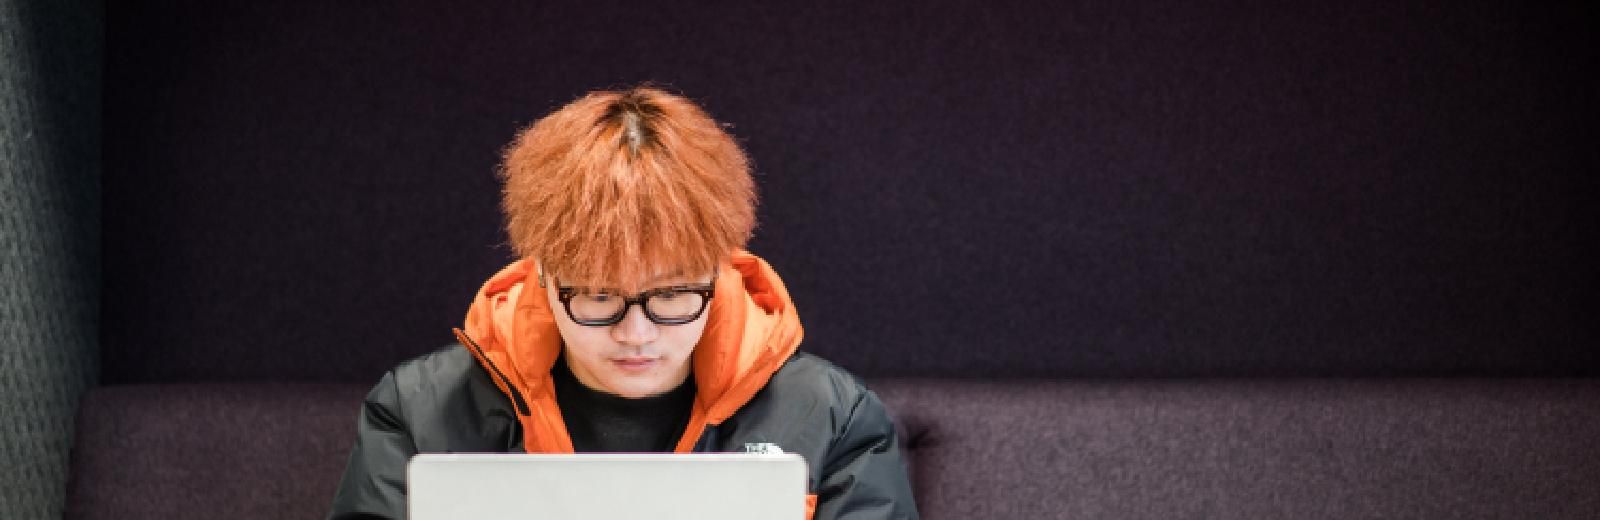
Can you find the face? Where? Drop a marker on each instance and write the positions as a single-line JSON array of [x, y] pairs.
[[634, 357]]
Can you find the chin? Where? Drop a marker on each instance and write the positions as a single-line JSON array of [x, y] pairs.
[[637, 386]]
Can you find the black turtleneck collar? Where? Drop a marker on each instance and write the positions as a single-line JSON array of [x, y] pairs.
[[603, 422]]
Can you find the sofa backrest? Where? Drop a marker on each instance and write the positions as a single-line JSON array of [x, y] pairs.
[[1029, 449], [1050, 189], [1304, 449], [258, 451]]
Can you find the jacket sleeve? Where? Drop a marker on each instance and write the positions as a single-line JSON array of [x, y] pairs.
[[864, 477], [374, 483]]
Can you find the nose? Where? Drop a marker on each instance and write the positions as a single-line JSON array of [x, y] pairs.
[[635, 329]]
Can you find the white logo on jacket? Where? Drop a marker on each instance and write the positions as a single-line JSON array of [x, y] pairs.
[[763, 448]]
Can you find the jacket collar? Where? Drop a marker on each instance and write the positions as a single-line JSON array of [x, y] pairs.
[[751, 329]]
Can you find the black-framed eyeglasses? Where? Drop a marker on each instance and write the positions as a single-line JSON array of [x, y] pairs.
[[674, 305]]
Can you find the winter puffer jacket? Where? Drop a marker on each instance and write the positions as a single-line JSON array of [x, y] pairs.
[[493, 393]]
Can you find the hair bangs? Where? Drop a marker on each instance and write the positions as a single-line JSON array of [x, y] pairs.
[[617, 188]]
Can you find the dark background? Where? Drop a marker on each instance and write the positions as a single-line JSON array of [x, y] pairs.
[[306, 191]]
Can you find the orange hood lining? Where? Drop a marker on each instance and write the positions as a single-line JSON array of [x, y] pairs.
[[751, 329]]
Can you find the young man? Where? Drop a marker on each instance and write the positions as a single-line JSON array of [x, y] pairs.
[[633, 322]]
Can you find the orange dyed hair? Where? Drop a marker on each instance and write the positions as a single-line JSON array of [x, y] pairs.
[[619, 186]]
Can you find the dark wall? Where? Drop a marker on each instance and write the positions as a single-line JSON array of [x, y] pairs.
[[1050, 189]]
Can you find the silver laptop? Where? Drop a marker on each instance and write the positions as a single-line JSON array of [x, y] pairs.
[[701, 486]]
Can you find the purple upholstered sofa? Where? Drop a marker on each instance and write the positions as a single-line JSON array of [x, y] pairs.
[[1106, 260], [1304, 449]]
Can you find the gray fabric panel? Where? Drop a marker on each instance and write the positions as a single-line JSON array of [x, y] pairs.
[[50, 63], [1302, 449], [211, 451]]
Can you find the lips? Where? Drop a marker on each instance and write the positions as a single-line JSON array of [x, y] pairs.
[[634, 364]]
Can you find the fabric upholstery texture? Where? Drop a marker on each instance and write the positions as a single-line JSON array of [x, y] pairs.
[[50, 59], [304, 192], [211, 451], [1309, 449], [950, 187]]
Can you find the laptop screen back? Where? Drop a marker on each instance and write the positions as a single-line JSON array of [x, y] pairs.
[[708, 486]]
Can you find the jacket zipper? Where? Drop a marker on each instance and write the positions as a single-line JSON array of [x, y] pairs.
[[516, 397]]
